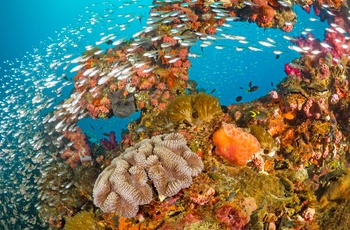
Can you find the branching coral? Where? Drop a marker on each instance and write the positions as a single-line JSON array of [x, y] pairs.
[[164, 159]]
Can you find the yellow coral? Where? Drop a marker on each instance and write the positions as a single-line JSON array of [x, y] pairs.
[[82, 221], [206, 106], [193, 109], [181, 110]]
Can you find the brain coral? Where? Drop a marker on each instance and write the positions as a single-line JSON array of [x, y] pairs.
[[164, 159], [234, 144]]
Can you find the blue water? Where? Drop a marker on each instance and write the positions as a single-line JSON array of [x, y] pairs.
[[26, 26]]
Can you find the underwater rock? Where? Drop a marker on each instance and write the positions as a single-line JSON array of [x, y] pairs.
[[122, 106], [164, 159]]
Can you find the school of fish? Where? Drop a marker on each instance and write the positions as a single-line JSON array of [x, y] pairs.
[[37, 101]]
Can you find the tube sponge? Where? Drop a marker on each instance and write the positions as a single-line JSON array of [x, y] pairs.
[[235, 145]]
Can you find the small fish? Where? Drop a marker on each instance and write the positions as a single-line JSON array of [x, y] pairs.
[[259, 115], [141, 128], [304, 138], [252, 48], [212, 91], [277, 52], [277, 56], [232, 194], [239, 98], [267, 44], [105, 134], [224, 109], [92, 127], [252, 89]]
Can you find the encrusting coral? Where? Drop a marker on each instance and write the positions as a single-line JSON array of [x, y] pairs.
[[164, 159]]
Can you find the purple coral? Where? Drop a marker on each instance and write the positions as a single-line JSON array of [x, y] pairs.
[[165, 160], [109, 144]]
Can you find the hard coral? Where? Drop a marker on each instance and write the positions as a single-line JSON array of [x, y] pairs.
[[165, 160], [234, 144]]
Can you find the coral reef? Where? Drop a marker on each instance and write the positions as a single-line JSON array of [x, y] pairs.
[[164, 159], [302, 126]]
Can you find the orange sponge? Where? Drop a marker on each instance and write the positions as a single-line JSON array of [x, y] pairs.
[[235, 145]]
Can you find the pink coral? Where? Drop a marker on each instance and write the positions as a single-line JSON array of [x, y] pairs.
[[312, 109], [168, 39], [145, 85], [183, 54], [325, 71], [211, 30], [186, 64], [93, 110], [287, 27], [234, 218], [79, 151], [334, 99], [178, 63], [289, 70], [135, 80], [103, 109], [308, 214], [274, 94], [338, 44], [105, 102]]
